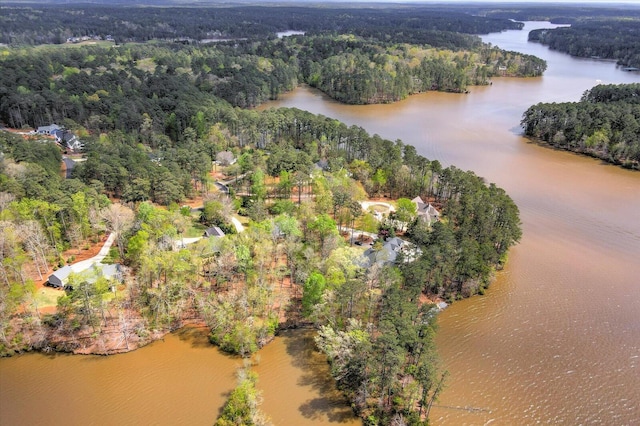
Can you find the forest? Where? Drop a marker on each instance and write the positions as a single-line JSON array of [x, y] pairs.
[[605, 124], [617, 39], [43, 85], [162, 123], [32, 25]]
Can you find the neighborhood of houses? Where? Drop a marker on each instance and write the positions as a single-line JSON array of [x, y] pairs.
[[63, 137], [386, 253], [67, 140], [87, 38]]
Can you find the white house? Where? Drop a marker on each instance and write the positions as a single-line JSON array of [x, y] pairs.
[[426, 211]]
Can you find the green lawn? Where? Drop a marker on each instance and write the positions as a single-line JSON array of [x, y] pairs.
[[196, 230], [48, 296]]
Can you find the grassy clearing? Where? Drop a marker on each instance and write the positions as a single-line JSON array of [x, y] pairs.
[[146, 64], [195, 230], [48, 296]]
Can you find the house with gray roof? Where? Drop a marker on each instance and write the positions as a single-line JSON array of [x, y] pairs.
[[426, 212], [390, 250], [48, 130], [67, 140], [388, 253], [214, 231], [60, 278], [64, 137]]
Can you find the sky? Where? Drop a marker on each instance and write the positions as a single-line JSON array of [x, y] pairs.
[[204, 2], [607, 2]]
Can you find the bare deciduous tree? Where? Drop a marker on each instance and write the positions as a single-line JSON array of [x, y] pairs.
[[5, 199], [118, 219], [225, 158], [36, 243]]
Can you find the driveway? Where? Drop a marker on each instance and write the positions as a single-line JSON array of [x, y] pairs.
[[183, 242], [237, 224], [367, 204], [88, 263]]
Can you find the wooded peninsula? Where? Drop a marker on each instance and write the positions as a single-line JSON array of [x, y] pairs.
[[240, 220], [605, 124]]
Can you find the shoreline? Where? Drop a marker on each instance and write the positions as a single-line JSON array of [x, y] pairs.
[[112, 341], [584, 153]]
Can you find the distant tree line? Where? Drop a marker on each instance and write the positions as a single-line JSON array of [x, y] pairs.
[[598, 31], [558, 13], [20, 25], [604, 124], [617, 39], [111, 88]]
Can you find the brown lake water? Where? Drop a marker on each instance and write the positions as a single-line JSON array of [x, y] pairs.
[[555, 340], [181, 380]]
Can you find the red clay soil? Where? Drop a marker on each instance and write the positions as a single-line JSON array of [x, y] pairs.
[[198, 201], [78, 255]]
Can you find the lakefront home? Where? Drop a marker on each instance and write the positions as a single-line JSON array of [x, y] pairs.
[[388, 253], [426, 211], [390, 250], [60, 278]]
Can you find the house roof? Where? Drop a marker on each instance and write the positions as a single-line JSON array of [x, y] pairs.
[[214, 231], [384, 255], [110, 270], [426, 210], [66, 137], [48, 129], [387, 254], [62, 273], [395, 243]]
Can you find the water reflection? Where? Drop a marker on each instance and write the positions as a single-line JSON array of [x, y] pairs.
[[556, 339], [294, 375]]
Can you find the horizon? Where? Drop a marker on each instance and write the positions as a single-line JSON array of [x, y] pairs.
[[256, 2]]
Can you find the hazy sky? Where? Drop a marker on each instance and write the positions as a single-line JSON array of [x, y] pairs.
[[607, 2], [633, 2], [534, 2]]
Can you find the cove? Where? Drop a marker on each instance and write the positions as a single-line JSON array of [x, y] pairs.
[[180, 380]]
